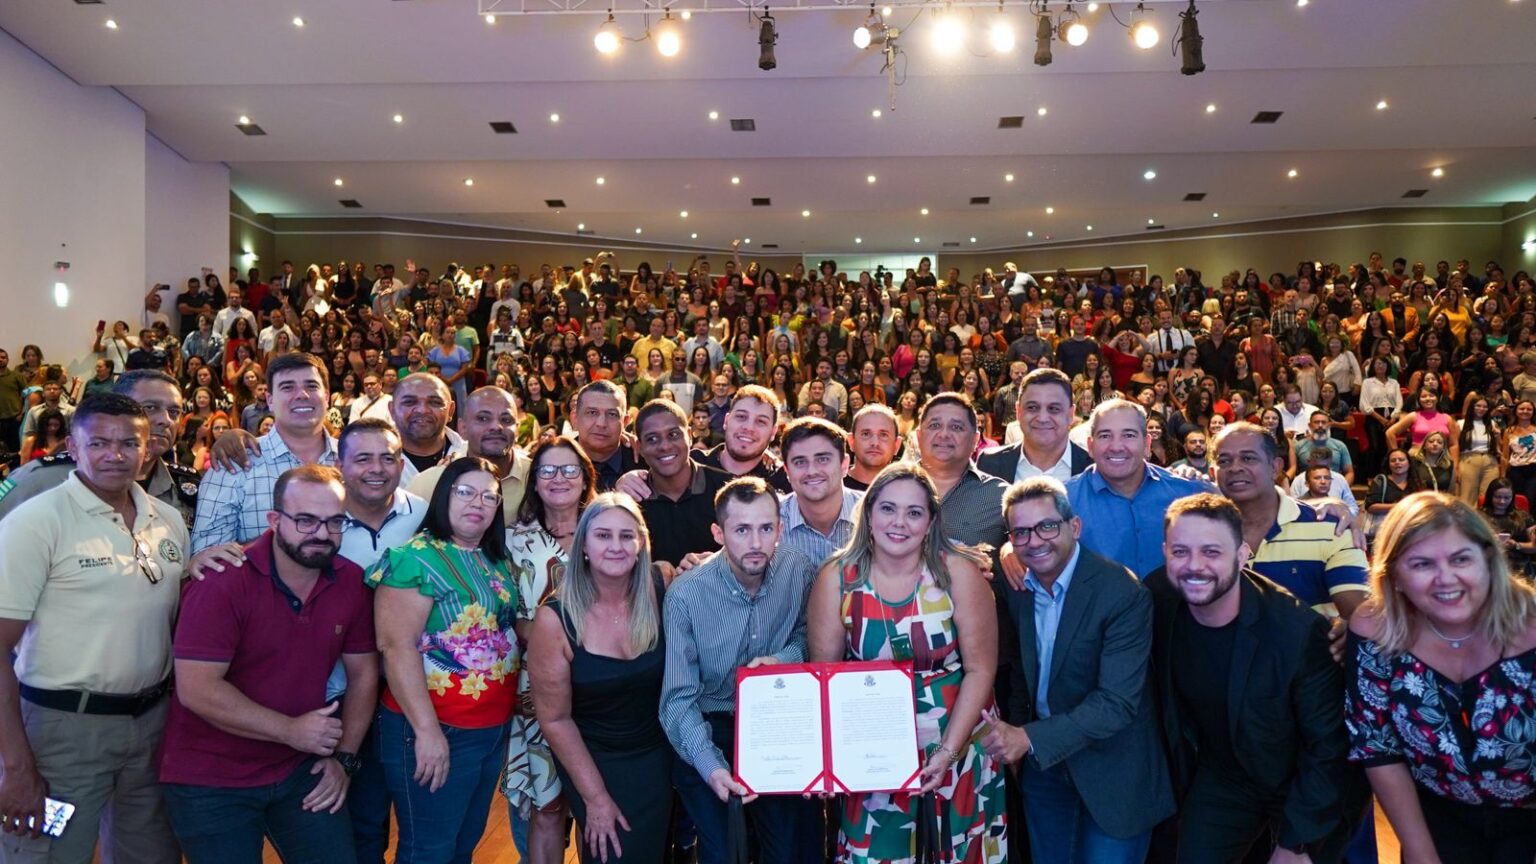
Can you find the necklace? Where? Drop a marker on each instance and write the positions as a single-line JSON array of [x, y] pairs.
[[1455, 641]]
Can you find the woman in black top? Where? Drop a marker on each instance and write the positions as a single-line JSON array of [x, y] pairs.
[[596, 660]]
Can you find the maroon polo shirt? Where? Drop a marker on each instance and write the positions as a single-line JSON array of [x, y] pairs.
[[280, 649]]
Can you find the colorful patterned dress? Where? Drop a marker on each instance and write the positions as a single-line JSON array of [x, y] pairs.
[[880, 828], [538, 563], [467, 649]]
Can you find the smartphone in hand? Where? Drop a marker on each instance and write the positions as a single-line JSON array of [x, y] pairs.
[[56, 815]]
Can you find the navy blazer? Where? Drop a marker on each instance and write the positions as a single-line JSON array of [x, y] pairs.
[[1004, 461], [1103, 725]]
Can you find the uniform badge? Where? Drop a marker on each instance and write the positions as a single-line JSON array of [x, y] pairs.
[[170, 551], [189, 490]]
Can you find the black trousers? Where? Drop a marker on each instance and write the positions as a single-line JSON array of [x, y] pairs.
[[1226, 823], [1479, 835]]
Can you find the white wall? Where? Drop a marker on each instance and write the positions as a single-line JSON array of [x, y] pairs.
[[71, 173], [186, 218]]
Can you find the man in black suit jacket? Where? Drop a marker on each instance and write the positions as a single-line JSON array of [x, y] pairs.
[[1252, 702], [1044, 410], [1081, 723]]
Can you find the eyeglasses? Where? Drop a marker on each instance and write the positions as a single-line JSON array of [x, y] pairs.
[[308, 524], [465, 492], [569, 472], [1050, 529], [147, 565]]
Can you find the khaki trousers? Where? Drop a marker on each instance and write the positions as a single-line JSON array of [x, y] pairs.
[[1474, 471]]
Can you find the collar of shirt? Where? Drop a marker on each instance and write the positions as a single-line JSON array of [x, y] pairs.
[[259, 554], [717, 568], [791, 517], [1097, 483], [273, 446], [1058, 588], [1061, 470], [402, 505], [697, 486], [1290, 511], [93, 504]]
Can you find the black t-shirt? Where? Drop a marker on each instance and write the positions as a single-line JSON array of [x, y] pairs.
[[422, 463], [608, 351], [1202, 671], [682, 526], [188, 323]]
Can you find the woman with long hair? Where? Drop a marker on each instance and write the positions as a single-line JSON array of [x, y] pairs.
[[1514, 524], [50, 436], [1518, 450], [1274, 424], [1184, 378], [207, 435], [444, 609], [561, 481], [1478, 449], [1438, 686], [902, 590], [596, 658], [1433, 460]]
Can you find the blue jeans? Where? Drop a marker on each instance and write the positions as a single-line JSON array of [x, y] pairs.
[[221, 825], [368, 801], [1061, 831], [441, 827]]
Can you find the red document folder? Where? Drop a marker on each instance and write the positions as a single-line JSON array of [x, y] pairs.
[[828, 780]]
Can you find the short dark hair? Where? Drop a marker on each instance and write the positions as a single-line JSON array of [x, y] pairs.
[[660, 406], [127, 381], [1267, 441], [318, 474], [1046, 377], [107, 405], [436, 524], [812, 427], [959, 400], [603, 385], [1210, 506], [362, 426], [297, 360], [744, 490]]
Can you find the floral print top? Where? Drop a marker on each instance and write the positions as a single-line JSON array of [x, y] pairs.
[[468, 650], [1472, 742]]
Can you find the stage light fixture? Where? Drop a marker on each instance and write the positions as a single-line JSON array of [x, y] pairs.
[[1190, 42], [1001, 33], [1044, 33], [1070, 28], [767, 37], [948, 32], [607, 39], [669, 38], [1143, 31]]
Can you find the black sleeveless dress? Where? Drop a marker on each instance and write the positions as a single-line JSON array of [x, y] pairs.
[[615, 704]]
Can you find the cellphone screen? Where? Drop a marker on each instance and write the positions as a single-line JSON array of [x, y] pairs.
[[55, 816]]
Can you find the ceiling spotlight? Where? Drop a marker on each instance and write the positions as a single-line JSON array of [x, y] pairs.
[[601, 180], [1044, 33], [111, 24], [683, 214], [870, 179], [924, 211], [607, 39], [1029, 233], [857, 240], [875, 113], [948, 32], [1190, 43], [669, 39], [1438, 172], [767, 36], [297, 21], [469, 181], [864, 34], [1071, 29], [1302, 3], [1090, 227], [489, 18], [581, 226], [1528, 245], [244, 120], [688, 14], [747, 241], [1215, 215], [337, 181], [1001, 33], [1381, 105], [714, 115], [1211, 108], [1093, 7], [399, 118], [1149, 174], [1151, 221], [885, 11], [1143, 31], [554, 118], [805, 213], [973, 239], [1007, 178], [917, 239], [1050, 210], [637, 230], [694, 236], [735, 181], [1041, 111], [1291, 173]]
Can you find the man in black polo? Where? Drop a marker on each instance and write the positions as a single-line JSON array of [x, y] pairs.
[[676, 493]]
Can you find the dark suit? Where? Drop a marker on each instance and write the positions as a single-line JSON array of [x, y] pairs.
[[1004, 461], [1102, 733], [1285, 704]]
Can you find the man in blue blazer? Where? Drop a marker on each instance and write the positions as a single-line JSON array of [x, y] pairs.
[[1081, 723], [1044, 412]]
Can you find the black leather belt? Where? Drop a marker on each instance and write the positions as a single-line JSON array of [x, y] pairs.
[[81, 702]]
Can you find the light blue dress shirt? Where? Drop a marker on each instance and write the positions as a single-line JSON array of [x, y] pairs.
[[1128, 531], [1048, 603]]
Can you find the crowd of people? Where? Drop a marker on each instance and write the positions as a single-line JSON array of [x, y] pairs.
[[1185, 571]]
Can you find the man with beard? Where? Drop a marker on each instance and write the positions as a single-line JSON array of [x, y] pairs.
[[750, 423], [601, 407], [742, 607], [252, 748], [1252, 701], [876, 440], [160, 397], [489, 430], [1195, 457]]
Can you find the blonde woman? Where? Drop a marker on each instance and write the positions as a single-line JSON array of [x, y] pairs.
[[1435, 462], [596, 658], [1438, 693]]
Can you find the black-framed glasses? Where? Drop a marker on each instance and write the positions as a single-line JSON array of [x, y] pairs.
[[308, 524], [569, 472], [465, 492], [147, 564], [1050, 529]]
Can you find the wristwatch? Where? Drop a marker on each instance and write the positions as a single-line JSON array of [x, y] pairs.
[[348, 761]]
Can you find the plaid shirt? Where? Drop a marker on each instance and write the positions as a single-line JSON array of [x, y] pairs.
[[233, 506]]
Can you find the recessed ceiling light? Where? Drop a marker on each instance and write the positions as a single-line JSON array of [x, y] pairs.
[[1151, 221], [637, 230], [1149, 174], [297, 21], [973, 239], [747, 240], [244, 120], [554, 118], [469, 181], [1381, 105], [805, 213], [924, 211], [875, 113], [683, 214], [399, 118], [917, 239], [870, 179], [1029, 233], [1050, 210], [1302, 2], [714, 115], [601, 180], [1210, 108], [338, 181], [857, 240], [1007, 178], [1291, 173], [581, 226], [1041, 111], [1090, 227], [111, 25], [489, 18], [687, 15], [694, 236], [735, 181], [1215, 215], [1093, 7], [885, 11], [1438, 172]]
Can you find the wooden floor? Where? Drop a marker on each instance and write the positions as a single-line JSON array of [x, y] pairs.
[[496, 846]]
